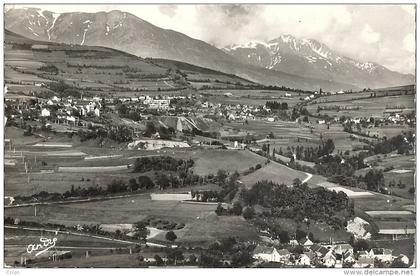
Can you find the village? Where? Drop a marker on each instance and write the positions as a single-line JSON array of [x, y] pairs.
[[328, 255], [145, 162]]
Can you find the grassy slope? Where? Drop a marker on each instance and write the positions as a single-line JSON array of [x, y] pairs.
[[94, 71], [230, 160], [273, 172]]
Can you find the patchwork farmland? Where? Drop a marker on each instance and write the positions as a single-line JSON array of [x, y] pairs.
[[140, 162]]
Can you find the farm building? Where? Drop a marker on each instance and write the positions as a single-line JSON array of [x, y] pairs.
[[266, 254], [306, 258], [382, 254], [348, 257], [397, 230]]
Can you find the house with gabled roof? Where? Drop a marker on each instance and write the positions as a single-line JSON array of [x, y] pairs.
[[266, 254], [284, 255], [342, 248], [319, 250], [382, 254], [307, 242], [306, 258], [348, 257], [329, 259]]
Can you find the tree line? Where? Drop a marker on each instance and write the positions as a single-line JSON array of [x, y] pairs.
[[298, 202], [277, 105]]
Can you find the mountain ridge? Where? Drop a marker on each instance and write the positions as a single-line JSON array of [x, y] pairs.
[[287, 52], [126, 32]]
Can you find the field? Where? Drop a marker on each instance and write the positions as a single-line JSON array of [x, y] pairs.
[[203, 226], [124, 210], [210, 162], [209, 227], [287, 159], [100, 71], [321, 231], [342, 140], [17, 240], [273, 172], [399, 174], [280, 129], [367, 107]]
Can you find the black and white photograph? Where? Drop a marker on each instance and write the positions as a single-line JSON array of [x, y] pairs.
[[218, 135]]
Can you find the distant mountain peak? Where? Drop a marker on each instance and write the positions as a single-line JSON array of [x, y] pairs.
[[312, 58], [285, 60]]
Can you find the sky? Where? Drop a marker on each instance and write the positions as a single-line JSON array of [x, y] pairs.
[[378, 33]]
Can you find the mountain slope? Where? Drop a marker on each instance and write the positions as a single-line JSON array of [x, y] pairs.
[[126, 32], [30, 66], [310, 58]]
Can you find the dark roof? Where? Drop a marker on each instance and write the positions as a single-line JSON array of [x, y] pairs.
[[311, 255], [323, 250], [263, 250], [315, 247], [347, 254], [381, 251], [283, 252], [319, 249]]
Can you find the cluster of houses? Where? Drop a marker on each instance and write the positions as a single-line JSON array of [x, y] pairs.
[[161, 103], [332, 255], [153, 102]]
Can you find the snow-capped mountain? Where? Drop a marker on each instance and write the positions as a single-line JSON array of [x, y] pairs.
[[310, 58], [126, 32]]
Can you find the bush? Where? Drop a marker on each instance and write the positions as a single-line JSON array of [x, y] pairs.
[[49, 68], [171, 236], [249, 212], [237, 208], [220, 210]]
